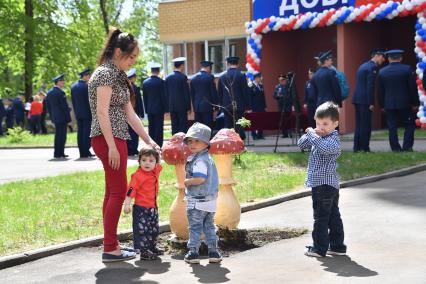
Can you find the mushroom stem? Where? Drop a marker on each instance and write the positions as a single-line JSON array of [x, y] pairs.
[[178, 217], [224, 169]]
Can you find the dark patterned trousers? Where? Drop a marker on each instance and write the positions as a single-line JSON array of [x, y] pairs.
[[145, 227]]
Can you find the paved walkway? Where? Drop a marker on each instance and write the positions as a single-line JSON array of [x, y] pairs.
[[20, 164], [385, 233]]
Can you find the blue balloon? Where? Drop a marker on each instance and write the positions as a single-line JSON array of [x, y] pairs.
[[421, 32], [424, 37], [418, 26], [422, 65], [271, 25]]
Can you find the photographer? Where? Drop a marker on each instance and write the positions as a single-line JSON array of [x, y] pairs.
[[287, 100]]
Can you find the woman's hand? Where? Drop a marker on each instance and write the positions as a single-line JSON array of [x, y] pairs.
[[127, 208], [155, 146], [114, 158]]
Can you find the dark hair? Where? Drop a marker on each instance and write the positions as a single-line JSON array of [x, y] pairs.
[[178, 64], [127, 44], [149, 151], [327, 109], [311, 70]]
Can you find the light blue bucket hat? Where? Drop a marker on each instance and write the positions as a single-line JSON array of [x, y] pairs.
[[198, 131]]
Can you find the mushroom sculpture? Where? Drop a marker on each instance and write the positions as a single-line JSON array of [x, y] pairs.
[[175, 152], [224, 145]]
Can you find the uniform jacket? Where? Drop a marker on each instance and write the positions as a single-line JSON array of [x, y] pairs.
[[203, 92], [18, 108], [283, 96], [154, 95], [365, 82], [233, 82], [139, 102], [258, 102], [326, 86], [397, 87], [57, 106], [177, 90], [309, 98], [80, 100]]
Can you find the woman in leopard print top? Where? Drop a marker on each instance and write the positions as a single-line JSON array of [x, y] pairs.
[[110, 97]]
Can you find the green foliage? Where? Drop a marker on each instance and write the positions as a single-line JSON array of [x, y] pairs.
[[68, 36], [17, 135], [243, 122]]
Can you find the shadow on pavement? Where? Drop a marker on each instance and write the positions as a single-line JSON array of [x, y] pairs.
[[402, 195], [344, 266], [59, 159], [121, 273], [211, 273], [154, 267]]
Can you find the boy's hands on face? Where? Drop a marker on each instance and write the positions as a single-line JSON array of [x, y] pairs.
[[320, 132]]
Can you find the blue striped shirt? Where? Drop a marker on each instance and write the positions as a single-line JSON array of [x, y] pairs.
[[322, 165]]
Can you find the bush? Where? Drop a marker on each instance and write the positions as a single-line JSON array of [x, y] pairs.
[[17, 135]]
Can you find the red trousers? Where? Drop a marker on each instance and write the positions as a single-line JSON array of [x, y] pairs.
[[115, 189]]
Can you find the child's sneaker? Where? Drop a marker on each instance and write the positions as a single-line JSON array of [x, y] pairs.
[[311, 251], [335, 252], [148, 255], [157, 251], [215, 257], [192, 257]]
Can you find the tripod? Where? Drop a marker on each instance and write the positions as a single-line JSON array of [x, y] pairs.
[[280, 125]]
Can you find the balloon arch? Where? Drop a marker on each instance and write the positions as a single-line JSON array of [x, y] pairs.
[[365, 13]]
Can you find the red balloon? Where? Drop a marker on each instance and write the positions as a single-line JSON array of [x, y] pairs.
[[418, 123], [418, 82], [424, 126]]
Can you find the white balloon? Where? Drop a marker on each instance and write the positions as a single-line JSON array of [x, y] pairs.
[[417, 38], [421, 54], [257, 40], [417, 49], [421, 20], [423, 59], [272, 18], [422, 98], [395, 13], [423, 119], [259, 21], [400, 8], [419, 114], [409, 6], [418, 71]]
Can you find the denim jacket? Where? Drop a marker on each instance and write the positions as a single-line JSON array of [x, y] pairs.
[[206, 191]]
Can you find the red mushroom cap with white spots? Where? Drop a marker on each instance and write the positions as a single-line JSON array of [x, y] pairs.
[[175, 151], [226, 141]]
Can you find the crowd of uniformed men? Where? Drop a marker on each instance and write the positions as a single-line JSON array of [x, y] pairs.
[[220, 103]]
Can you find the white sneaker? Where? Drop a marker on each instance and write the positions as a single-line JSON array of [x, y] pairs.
[[311, 251]]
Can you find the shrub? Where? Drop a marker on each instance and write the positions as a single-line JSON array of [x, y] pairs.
[[17, 135]]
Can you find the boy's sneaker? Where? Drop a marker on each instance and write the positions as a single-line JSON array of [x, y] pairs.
[[335, 252], [192, 257], [157, 251], [215, 257], [311, 251], [148, 255]]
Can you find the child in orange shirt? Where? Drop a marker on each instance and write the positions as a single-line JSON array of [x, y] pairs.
[[144, 189]]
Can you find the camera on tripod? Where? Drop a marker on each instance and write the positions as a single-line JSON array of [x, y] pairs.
[[290, 75]]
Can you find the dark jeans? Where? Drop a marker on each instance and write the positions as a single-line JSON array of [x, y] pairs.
[[156, 127], [35, 124], [328, 226], [179, 121], [393, 116], [362, 128], [145, 227]]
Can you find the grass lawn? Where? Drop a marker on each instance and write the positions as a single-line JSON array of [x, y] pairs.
[[52, 210], [383, 134]]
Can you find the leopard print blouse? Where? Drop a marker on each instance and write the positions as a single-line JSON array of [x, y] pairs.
[[108, 74]]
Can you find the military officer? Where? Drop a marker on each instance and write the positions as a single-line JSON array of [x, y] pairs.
[[234, 94], [156, 103], [325, 84], [80, 103], [133, 143], [19, 110], [363, 98], [285, 102], [177, 90], [59, 114], [204, 94], [258, 102], [398, 96]]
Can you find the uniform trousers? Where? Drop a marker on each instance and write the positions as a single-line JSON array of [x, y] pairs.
[[133, 143], [156, 127], [60, 139], [229, 122], [205, 118], [362, 128], [83, 136], [393, 116], [179, 121], [115, 189]]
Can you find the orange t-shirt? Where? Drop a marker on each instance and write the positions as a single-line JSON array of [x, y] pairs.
[[36, 108], [144, 187]]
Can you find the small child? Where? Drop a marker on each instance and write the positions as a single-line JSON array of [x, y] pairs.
[[324, 144], [201, 193], [144, 189]]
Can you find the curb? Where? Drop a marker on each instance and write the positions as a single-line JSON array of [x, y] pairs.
[[17, 259]]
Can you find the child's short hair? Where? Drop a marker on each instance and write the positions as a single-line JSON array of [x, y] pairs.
[[328, 109], [149, 151]]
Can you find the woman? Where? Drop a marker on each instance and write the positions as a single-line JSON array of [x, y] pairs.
[[110, 97], [35, 111]]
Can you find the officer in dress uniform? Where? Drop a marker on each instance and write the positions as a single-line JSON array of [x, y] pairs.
[[285, 102], [177, 90], [80, 103], [156, 103], [363, 99], [59, 113], [325, 84], [258, 102], [133, 143], [398, 96], [310, 101], [204, 94], [2, 115], [19, 110], [234, 94]]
